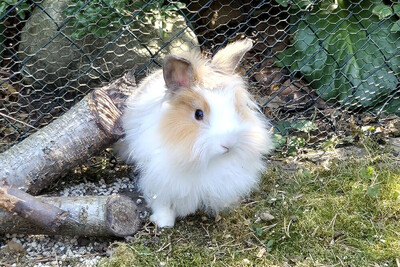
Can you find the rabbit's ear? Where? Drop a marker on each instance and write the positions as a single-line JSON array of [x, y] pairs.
[[228, 58], [178, 73]]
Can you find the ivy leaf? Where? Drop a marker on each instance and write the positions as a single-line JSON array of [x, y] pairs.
[[395, 27], [282, 128], [283, 3], [303, 3], [3, 8], [180, 5], [294, 4], [278, 140], [21, 9], [11, 2], [303, 125], [297, 142], [77, 34], [392, 107], [382, 11], [396, 9]]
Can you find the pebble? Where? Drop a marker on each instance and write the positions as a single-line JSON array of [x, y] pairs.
[[46, 251], [266, 216]]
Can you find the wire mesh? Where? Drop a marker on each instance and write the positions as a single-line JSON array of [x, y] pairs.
[[318, 69]]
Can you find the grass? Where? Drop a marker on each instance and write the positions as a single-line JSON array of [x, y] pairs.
[[343, 214]]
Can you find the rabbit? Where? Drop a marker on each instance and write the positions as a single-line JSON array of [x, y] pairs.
[[195, 135]]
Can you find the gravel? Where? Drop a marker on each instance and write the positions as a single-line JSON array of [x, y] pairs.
[[42, 250]]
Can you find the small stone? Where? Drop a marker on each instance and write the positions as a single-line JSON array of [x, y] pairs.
[[337, 234], [15, 247], [261, 252], [266, 216]]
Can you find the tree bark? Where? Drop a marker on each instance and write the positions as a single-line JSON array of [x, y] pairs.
[[116, 215], [39, 213], [87, 128]]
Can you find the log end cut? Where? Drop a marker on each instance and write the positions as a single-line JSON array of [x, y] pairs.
[[124, 214]]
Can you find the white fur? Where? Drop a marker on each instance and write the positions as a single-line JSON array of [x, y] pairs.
[[172, 185]]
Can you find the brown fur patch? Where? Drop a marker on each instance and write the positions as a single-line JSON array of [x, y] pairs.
[[178, 126], [241, 104], [205, 74]]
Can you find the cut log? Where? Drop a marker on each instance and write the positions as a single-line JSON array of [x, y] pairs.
[[86, 129], [39, 213], [116, 215]]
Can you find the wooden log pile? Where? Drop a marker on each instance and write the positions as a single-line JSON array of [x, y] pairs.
[[32, 165]]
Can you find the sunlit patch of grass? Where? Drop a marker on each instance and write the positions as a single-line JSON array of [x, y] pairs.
[[346, 214]]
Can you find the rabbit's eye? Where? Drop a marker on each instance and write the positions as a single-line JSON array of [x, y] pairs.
[[198, 114]]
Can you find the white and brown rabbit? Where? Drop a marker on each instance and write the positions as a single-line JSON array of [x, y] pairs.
[[195, 135]]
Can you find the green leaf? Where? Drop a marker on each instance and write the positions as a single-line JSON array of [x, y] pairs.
[[297, 142], [303, 125], [138, 4], [180, 5], [382, 11], [258, 231], [21, 8], [396, 9], [278, 140], [292, 150], [302, 3], [366, 173], [21, 14], [294, 4], [347, 58], [101, 32], [283, 3], [270, 243], [3, 8], [77, 34], [395, 27], [11, 2], [104, 18], [282, 128], [373, 191], [392, 107]]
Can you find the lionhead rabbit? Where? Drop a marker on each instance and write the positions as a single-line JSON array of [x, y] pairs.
[[195, 135]]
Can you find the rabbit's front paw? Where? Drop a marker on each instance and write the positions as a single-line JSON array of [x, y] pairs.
[[163, 217]]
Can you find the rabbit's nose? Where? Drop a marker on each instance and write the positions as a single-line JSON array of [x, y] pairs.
[[228, 143], [225, 148]]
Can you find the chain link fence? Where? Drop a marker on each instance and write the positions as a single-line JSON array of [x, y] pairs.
[[320, 70]]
